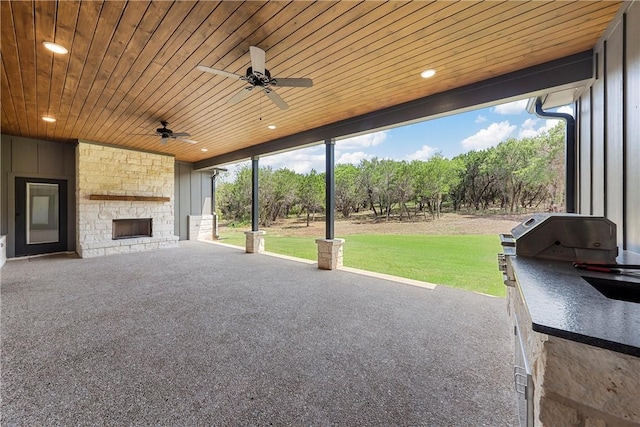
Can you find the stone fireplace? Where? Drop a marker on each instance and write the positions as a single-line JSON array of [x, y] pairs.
[[124, 200]]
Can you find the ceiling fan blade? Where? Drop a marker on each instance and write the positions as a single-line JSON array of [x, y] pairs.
[[292, 82], [276, 99], [239, 96], [190, 141], [180, 134], [220, 72], [257, 59]]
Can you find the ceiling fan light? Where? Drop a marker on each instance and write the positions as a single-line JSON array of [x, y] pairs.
[[428, 73], [271, 127], [55, 48], [48, 119]]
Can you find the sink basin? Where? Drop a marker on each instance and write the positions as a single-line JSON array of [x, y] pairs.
[[616, 289]]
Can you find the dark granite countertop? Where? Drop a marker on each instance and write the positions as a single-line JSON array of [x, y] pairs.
[[563, 304]]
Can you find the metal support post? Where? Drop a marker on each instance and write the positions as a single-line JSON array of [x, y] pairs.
[[214, 217], [255, 212], [214, 175], [330, 204]]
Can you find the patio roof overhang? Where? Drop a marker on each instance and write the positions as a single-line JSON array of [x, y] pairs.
[[132, 64]]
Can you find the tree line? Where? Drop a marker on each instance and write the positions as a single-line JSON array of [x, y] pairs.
[[517, 174]]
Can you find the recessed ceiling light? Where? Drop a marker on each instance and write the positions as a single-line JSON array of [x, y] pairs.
[[204, 150], [428, 73], [55, 48], [48, 119], [271, 127]]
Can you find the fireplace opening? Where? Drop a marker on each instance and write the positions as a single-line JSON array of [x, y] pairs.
[[131, 228]]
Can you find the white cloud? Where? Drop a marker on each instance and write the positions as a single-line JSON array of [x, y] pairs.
[[567, 109], [481, 119], [489, 137], [532, 127], [528, 128], [515, 107], [300, 161], [352, 158], [422, 154], [362, 141]]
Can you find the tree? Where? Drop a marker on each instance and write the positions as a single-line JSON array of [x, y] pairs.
[[366, 182], [519, 168], [433, 179], [347, 192], [517, 173], [404, 186], [310, 194], [385, 184], [277, 192], [234, 198]]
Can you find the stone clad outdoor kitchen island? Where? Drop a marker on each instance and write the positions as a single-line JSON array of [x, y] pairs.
[[581, 347]]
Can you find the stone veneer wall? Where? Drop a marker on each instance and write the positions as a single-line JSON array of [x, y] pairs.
[[107, 170]]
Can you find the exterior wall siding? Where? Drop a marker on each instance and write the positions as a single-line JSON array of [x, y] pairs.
[[584, 133], [25, 157], [193, 197], [609, 131], [614, 130], [632, 129], [597, 144]]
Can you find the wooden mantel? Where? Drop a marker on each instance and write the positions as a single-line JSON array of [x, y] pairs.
[[123, 198]]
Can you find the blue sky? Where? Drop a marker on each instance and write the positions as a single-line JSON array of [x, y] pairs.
[[450, 136]]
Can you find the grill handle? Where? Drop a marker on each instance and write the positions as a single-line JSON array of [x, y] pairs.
[[507, 241]]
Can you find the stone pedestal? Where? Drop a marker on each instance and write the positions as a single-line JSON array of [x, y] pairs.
[[255, 241], [330, 253]]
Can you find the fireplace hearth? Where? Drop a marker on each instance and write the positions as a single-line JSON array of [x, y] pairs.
[[131, 228]]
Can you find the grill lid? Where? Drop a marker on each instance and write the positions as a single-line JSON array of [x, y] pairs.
[[567, 237]]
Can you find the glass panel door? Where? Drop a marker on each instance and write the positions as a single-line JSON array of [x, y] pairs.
[[43, 205], [40, 216]]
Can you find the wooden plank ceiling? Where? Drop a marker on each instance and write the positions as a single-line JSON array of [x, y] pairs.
[[132, 64]]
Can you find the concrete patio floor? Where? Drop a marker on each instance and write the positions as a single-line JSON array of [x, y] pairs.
[[208, 335]]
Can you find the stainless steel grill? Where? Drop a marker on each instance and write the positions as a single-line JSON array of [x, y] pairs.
[[562, 237], [566, 237]]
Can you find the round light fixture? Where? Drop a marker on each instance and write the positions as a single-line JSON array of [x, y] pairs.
[[48, 119], [204, 150], [55, 48], [271, 127], [428, 73]]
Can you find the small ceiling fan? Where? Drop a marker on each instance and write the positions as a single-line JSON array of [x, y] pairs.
[[166, 134], [258, 77]]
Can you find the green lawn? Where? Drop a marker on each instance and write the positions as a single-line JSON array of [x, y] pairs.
[[461, 261]]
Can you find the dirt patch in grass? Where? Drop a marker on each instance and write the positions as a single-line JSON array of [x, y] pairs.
[[447, 224]]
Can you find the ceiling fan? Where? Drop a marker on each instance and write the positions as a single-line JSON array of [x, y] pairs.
[[166, 134], [258, 77]]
